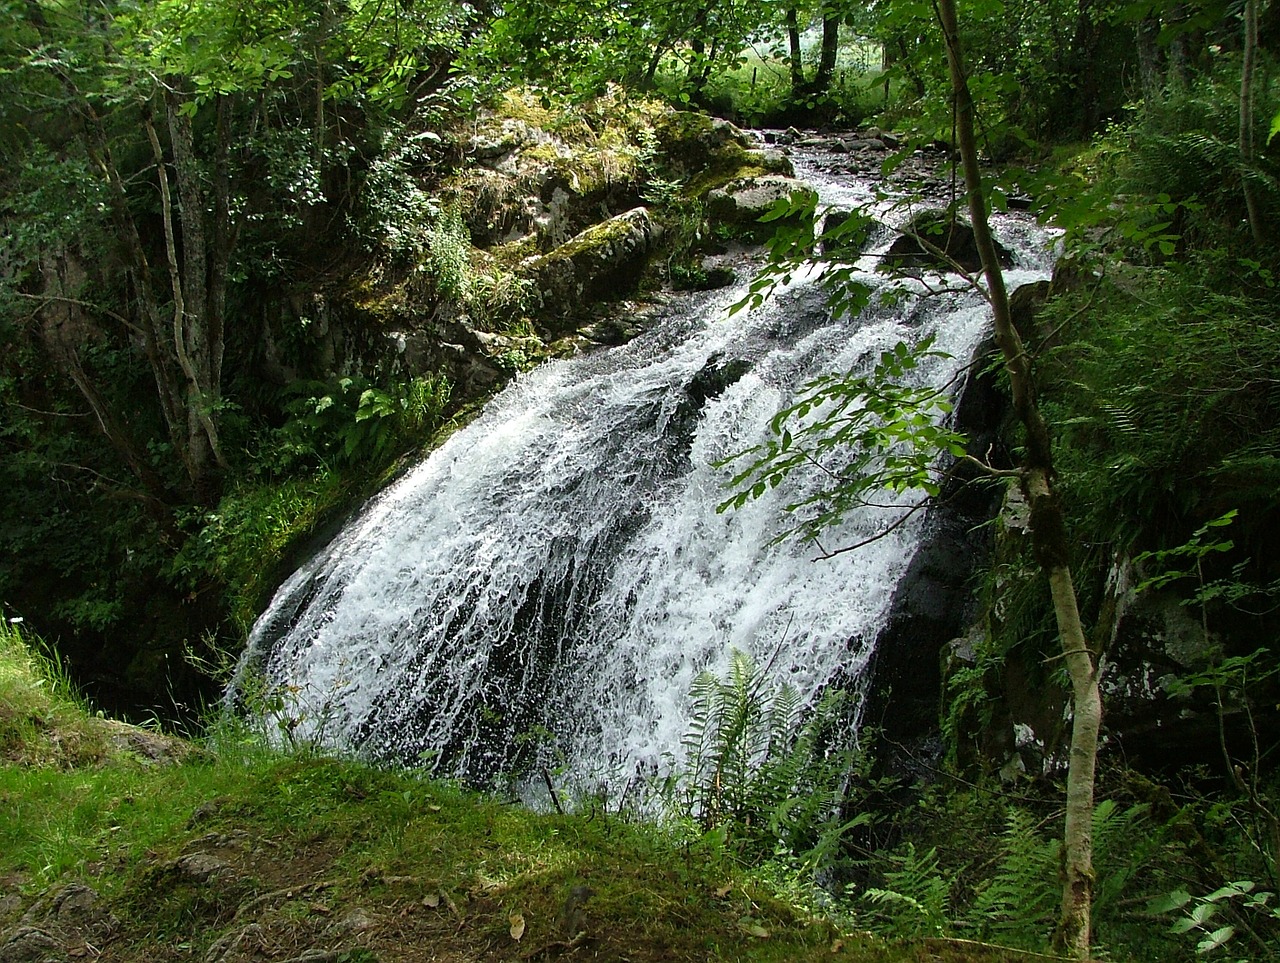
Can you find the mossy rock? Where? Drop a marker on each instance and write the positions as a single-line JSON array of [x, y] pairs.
[[605, 260], [740, 204], [710, 152]]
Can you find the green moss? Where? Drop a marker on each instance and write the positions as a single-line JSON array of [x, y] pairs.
[[593, 238]]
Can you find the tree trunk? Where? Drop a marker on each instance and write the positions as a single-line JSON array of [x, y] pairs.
[[1086, 44], [1248, 147], [830, 46], [1149, 72], [796, 55], [1179, 58], [194, 311], [1048, 530]]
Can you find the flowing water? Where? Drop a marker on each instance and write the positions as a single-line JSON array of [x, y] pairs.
[[546, 586]]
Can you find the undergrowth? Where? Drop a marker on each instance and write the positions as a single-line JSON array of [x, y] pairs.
[[244, 842]]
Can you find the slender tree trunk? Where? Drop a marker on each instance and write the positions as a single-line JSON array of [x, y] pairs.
[[1179, 58], [63, 329], [1048, 530], [1086, 43], [1248, 147], [1149, 72], [194, 311], [796, 55], [904, 51], [830, 47]]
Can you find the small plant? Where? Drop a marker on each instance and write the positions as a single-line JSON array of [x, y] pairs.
[[397, 211], [351, 421], [448, 244], [763, 770], [1199, 915], [916, 898]]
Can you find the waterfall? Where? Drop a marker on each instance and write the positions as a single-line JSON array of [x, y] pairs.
[[545, 587]]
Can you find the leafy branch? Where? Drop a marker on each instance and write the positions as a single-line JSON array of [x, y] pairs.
[[865, 433]]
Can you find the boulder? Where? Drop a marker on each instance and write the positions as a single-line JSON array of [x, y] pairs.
[[604, 260], [937, 241], [692, 142], [741, 202], [838, 238], [1024, 305], [709, 151]]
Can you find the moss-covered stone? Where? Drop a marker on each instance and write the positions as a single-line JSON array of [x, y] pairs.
[[605, 260], [707, 152], [740, 204]]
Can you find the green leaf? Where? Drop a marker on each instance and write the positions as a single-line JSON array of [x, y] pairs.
[[1203, 913], [1215, 939], [1169, 902]]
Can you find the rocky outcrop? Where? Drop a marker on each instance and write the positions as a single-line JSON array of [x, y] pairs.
[[604, 259]]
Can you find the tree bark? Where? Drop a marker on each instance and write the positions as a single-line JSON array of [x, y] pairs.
[[1248, 146], [1048, 529], [1086, 44], [1149, 73], [196, 330], [795, 55], [827, 59]]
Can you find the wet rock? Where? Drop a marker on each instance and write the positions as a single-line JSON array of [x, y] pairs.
[[711, 381], [854, 144], [612, 331], [743, 201], [1024, 305], [603, 261], [1158, 640], [840, 239], [938, 241], [885, 138], [715, 274]]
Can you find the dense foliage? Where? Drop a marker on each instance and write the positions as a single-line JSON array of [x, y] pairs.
[[190, 190]]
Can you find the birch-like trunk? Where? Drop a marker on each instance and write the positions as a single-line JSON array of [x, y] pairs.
[[1248, 147], [1048, 530]]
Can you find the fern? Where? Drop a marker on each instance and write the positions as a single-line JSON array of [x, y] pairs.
[[1022, 897], [1019, 904], [1124, 841], [763, 765], [916, 900]]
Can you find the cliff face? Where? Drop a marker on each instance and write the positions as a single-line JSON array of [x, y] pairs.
[[533, 222]]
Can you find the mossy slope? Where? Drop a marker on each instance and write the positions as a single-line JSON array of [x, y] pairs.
[[240, 853]]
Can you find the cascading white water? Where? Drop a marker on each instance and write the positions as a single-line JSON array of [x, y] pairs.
[[548, 583]]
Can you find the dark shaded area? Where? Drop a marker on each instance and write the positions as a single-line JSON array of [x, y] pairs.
[[933, 602]]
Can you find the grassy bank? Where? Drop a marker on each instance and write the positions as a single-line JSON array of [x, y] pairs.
[[120, 844]]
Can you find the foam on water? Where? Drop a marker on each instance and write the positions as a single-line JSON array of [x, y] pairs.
[[548, 583]]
